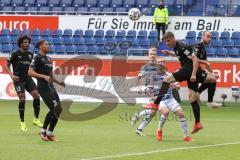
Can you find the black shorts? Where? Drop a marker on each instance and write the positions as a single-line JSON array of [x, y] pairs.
[[184, 74], [50, 97], [27, 84]]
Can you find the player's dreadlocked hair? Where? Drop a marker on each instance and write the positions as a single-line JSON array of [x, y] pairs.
[[21, 39]]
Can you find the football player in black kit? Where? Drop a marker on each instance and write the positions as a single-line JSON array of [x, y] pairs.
[[200, 51], [41, 68], [189, 71], [20, 61]]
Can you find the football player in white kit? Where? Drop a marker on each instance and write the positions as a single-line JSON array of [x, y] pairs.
[[167, 104]]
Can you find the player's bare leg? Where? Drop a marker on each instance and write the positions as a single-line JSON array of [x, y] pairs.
[[165, 111]]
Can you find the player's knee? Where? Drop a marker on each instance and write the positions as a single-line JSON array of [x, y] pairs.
[[165, 112], [35, 95], [148, 118], [210, 79], [192, 97], [181, 115], [21, 97]]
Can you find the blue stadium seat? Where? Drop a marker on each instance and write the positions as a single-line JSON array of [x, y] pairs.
[[31, 9], [68, 40], [91, 3], [69, 9], [199, 36], [147, 11], [228, 44], [191, 35], [79, 41], [153, 34], [52, 3], [100, 41], [110, 34], [57, 9], [46, 33], [95, 9], [81, 50], [144, 43], [78, 3], [235, 35], [225, 35], [58, 40], [67, 33], [7, 9], [190, 41], [35, 39], [65, 3], [5, 3], [15, 32], [216, 44], [17, 3], [237, 44], [51, 49], [99, 33], [233, 53], [121, 33], [6, 39], [7, 48], [136, 51], [117, 3], [78, 33], [131, 34], [36, 32], [102, 51], [215, 35], [31, 48], [5, 32], [14, 38], [82, 10], [104, 3], [211, 52], [15, 47], [90, 41], [41, 3], [57, 33], [44, 10], [30, 3], [108, 9], [142, 34], [221, 52], [129, 3], [26, 32], [92, 50], [60, 49], [142, 3], [71, 49], [20, 9], [121, 9], [88, 33], [49, 39], [135, 42]]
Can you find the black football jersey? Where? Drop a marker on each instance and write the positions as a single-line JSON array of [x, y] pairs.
[[42, 65], [200, 51], [184, 53], [20, 62]]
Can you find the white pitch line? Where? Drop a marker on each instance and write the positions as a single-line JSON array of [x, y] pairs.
[[159, 151]]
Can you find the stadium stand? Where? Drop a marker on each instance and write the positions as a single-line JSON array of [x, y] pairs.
[[127, 42], [175, 7]]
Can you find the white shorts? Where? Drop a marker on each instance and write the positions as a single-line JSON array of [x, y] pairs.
[[171, 104]]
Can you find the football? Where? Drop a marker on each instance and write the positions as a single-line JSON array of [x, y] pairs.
[[134, 14]]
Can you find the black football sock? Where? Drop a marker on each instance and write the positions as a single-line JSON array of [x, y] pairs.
[[211, 91], [196, 111], [47, 120], [21, 109], [36, 107], [162, 92]]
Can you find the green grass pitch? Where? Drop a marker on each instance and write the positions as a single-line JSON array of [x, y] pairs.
[[112, 137]]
